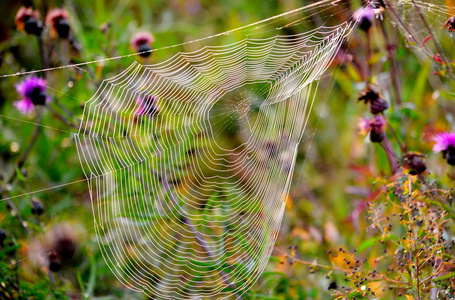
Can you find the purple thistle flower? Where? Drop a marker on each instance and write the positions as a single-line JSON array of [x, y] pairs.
[[33, 92], [445, 143], [147, 105], [365, 17]]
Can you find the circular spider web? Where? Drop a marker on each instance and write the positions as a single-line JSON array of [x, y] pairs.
[[189, 161]]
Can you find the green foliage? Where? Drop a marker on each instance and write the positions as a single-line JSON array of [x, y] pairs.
[[353, 222]]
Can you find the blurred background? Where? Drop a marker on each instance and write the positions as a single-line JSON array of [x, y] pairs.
[[339, 172]]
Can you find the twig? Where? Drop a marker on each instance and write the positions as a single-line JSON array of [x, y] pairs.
[[313, 264]]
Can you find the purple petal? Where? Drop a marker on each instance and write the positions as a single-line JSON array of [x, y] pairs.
[[24, 106], [444, 141]]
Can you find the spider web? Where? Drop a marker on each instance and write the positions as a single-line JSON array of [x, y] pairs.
[[188, 197], [189, 161]]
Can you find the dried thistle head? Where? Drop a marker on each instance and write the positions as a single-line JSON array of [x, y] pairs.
[[414, 162], [372, 96], [450, 24], [28, 20], [375, 127], [57, 20]]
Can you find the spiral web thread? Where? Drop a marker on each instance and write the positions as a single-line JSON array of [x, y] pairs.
[[189, 161]]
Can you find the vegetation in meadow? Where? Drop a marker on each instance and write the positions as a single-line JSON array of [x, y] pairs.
[[370, 213]]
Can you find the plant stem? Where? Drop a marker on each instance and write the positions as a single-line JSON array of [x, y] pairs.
[[303, 262], [15, 211], [394, 69], [443, 202], [391, 156], [391, 8], [449, 71]]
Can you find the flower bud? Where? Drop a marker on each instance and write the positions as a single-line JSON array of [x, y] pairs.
[[450, 156], [376, 135], [37, 207], [144, 50], [33, 26], [54, 262], [38, 96], [375, 127]]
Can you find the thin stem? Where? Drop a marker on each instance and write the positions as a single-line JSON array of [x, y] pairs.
[[391, 8], [16, 274], [394, 69], [15, 211], [449, 71], [313, 264], [44, 63], [417, 270], [444, 203], [402, 147], [391, 156], [33, 139]]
